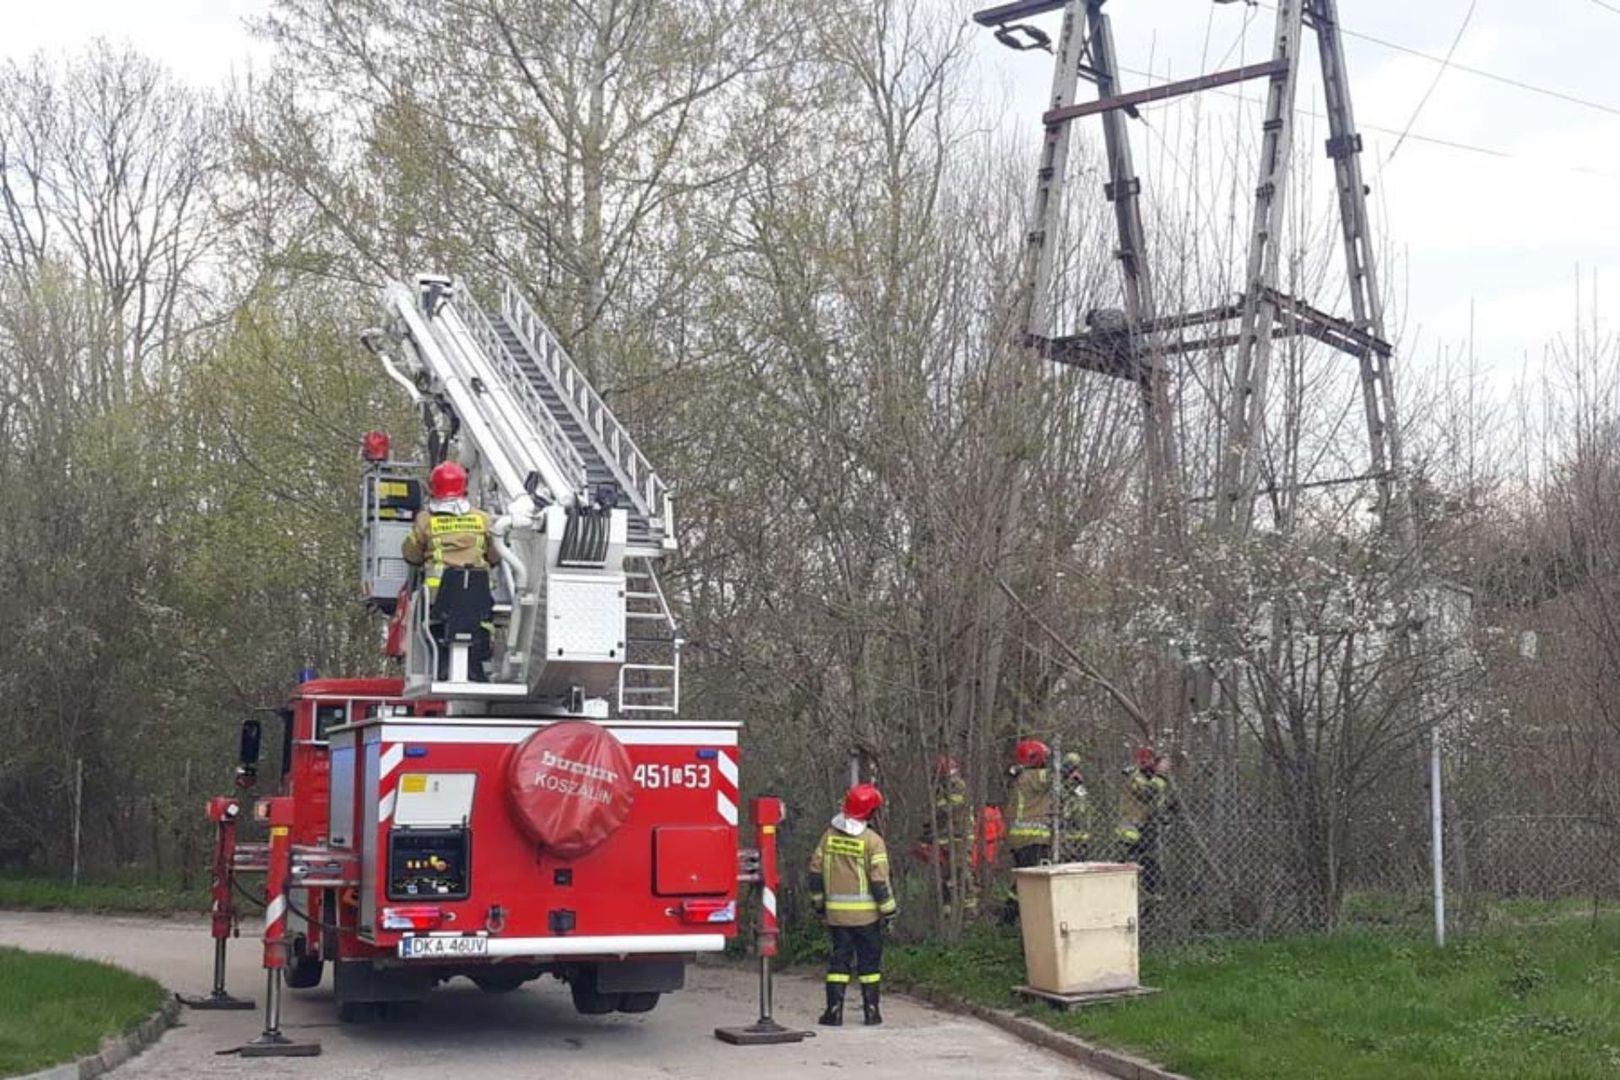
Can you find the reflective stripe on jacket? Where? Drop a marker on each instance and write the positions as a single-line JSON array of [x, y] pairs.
[[849, 878], [1031, 808]]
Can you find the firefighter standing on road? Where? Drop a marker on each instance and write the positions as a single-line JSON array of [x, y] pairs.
[[453, 540], [1143, 806], [849, 887]]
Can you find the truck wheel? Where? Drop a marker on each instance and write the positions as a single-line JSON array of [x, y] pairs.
[[642, 1002], [498, 984], [359, 1012], [587, 999], [305, 971]]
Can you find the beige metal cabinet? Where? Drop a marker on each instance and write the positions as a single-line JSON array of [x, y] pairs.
[[1079, 926]]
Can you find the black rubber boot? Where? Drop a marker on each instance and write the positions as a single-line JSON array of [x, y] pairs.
[[870, 996], [834, 1016]]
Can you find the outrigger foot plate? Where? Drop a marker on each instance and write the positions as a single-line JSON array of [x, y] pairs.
[[216, 1000], [275, 1044], [761, 1033]]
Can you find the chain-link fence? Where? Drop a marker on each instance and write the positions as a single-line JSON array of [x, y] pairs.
[[1225, 853]]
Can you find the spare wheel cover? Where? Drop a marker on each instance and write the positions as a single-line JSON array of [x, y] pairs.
[[570, 787]]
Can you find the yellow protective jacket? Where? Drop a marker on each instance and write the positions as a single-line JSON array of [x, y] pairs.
[[1076, 814], [953, 814], [1145, 797], [849, 877], [450, 538], [1031, 808]]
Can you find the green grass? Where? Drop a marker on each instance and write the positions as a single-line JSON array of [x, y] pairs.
[[134, 896], [1530, 1002], [57, 1008]]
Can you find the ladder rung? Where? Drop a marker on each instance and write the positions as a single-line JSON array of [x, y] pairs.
[[645, 615], [641, 596]]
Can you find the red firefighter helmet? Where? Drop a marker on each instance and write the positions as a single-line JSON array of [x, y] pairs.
[[862, 802], [945, 765], [1031, 753], [1145, 757], [449, 480]]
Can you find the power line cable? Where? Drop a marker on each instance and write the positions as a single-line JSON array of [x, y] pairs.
[[1411, 136], [1505, 80], [1606, 6], [1438, 75]]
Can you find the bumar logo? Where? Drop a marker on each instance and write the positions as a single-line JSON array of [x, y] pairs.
[[549, 760]]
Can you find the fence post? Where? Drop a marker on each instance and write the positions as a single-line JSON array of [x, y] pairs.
[[78, 814], [1437, 838], [1055, 783]]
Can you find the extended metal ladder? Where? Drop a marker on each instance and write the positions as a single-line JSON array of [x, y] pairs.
[[583, 515]]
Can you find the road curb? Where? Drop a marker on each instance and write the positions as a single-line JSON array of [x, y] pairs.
[[1112, 1062], [114, 1051]]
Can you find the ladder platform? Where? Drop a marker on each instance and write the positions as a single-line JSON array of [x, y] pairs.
[[445, 688]]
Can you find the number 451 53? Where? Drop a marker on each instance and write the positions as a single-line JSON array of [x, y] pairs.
[[674, 776]]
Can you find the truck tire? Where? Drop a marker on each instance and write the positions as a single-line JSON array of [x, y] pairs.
[[644, 1001], [588, 1000], [305, 971], [498, 984], [359, 1012]]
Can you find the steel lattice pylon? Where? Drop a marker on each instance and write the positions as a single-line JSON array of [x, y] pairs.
[[1139, 350]]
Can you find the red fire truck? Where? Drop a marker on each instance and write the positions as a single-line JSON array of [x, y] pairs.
[[536, 806]]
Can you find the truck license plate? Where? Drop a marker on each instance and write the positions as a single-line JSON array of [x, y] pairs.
[[417, 948]]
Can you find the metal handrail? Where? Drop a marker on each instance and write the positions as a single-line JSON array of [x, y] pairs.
[[646, 489], [419, 628], [518, 383]]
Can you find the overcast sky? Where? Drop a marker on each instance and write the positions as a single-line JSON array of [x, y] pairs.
[[1502, 231]]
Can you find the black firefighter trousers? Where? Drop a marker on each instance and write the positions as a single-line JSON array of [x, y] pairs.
[[858, 950]]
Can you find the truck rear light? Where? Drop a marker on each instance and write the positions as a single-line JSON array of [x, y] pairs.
[[704, 912], [412, 918]]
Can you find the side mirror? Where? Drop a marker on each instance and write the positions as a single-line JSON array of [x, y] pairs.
[[247, 769], [249, 749]]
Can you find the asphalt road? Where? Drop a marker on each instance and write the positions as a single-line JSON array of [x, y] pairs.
[[530, 1033]]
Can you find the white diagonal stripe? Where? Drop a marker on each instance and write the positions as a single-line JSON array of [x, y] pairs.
[[728, 768], [274, 910], [391, 759], [385, 808], [728, 809], [769, 900]]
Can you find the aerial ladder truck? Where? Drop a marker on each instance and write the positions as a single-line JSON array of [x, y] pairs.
[[537, 807]]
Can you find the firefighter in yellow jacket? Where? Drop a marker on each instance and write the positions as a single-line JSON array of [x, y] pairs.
[[1031, 832], [849, 887], [452, 540], [1075, 803], [953, 848], [1143, 807]]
